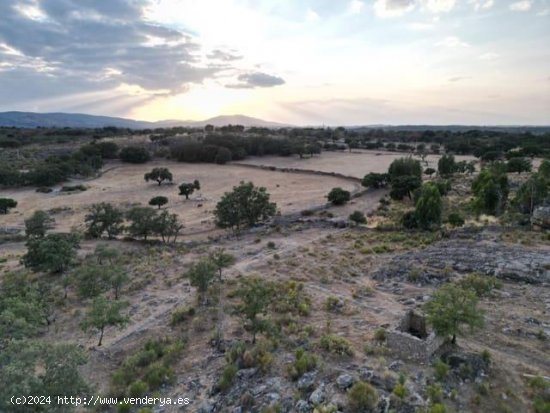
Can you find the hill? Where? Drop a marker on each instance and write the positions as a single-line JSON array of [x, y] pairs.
[[79, 120]]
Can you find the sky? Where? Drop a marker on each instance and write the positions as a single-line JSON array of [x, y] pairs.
[[310, 62]]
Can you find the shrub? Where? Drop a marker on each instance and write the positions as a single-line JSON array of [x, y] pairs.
[[400, 390], [339, 196], [303, 363], [6, 204], [138, 388], [438, 408], [73, 188], [358, 217], [362, 397], [380, 335], [455, 219], [441, 369], [134, 154], [482, 285], [336, 345], [182, 314], [223, 156], [435, 393], [228, 375]]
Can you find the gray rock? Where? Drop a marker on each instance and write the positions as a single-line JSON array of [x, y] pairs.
[[541, 217], [396, 365], [344, 381], [246, 373], [318, 395], [307, 381], [259, 389], [302, 406], [205, 407]]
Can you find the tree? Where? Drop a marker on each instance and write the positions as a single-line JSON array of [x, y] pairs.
[[452, 307], [103, 252], [256, 295], [446, 165], [167, 226], [40, 368], [531, 194], [54, 253], [201, 275], [429, 206], [223, 155], [519, 165], [490, 190], [405, 177], [6, 204], [188, 188], [158, 174], [339, 196], [221, 260], [544, 169], [134, 154], [429, 171], [107, 150], [403, 186], [104, 313], [116, 277], [104, 218], [245, 205], [91, 280], [375, 180], [158, 201], [38, 224], [25, 306], [143, 221], [358, 217]]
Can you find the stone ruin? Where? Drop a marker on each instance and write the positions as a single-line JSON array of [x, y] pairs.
[[411, 339]]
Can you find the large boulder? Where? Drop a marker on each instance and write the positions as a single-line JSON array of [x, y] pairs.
[[541, 217]]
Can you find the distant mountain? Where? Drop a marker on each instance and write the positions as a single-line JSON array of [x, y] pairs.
[[79, 120]]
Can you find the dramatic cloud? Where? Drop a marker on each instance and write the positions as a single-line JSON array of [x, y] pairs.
[[257, 79], [224, 56]]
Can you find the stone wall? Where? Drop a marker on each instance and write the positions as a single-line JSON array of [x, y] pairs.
[[411, 347]]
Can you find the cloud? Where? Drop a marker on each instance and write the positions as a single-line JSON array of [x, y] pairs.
[[458, 78], [438, 6], [421, 27], [523, 5], [544, 12], [482, 4], [393, 8], [312, 16], [222, 55], [256, 79], [452, 42]]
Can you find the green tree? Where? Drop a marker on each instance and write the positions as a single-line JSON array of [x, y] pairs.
[[446, 165], [358, 217], [256, 295], [134, 154], [246, 205], [544, 169], [40, 368], [104, 313], [105, 253], [54, 253], [531, 194], [201, 275], [405, 177], [91, 280], [104, 218], [490, 190], [143, 221], [6, 204], [223, 155], [375, 180], [338, 196], [38, 224], [221, 260], [159, 175], [451, 308], [116, 278], [187, 188], [25, 307], [519, 165], [429, 206], [158, 201], [167, 226]]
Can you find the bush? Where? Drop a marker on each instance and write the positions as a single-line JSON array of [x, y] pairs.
[[380, 334], [182, 314], [339, 196], [438, 408], [400, 390], [409, 220], [228, 375], [481, 285], [223, 156], [455, 219], [303, 363], [362, 397], [435, 393], [138, 388], [336, 345], [134, 154], [6, 204], [441, 369], [358, 217], [73, 188]]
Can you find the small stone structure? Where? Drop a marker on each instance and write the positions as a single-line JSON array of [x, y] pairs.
[[411, 339]]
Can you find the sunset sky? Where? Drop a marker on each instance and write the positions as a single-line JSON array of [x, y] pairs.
[[314, 62]]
